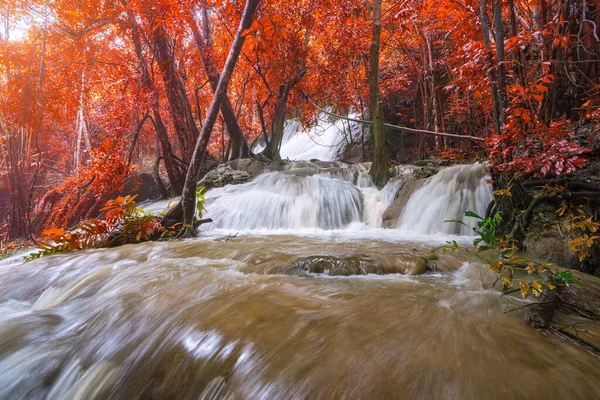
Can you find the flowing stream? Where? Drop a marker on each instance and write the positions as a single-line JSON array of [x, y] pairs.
[[293, 292]]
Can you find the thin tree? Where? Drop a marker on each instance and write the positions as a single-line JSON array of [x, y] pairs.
[[188, 199], [485, 27], [500, 59], [272, 151], [239, 146]]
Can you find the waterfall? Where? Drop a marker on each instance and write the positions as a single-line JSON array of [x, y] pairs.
[[324, 141], [284, 200], [377, 201], [303, 198], [446, 196], [335, 195]]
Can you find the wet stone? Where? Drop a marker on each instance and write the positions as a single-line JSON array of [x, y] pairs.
[[334, 266], [352, 265]]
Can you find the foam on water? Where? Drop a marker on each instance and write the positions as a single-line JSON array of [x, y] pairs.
[[309, 200], [446, 196]]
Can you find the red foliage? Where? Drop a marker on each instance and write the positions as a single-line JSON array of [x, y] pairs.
[[80, 98], [82, 195]]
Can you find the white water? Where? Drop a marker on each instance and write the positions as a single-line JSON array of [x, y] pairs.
[[323, 141], [446, 196], [300, 200], [344, 198], [171, 320], [281, 200]]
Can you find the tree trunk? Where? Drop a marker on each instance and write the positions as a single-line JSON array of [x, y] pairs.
[[174, 174], [500, 59], [181, 110], [518, 69], [488, 47], [239, 146], [378, 172], [16, 219], [434, 102], [278, 127], [588, 53], [191, 180]]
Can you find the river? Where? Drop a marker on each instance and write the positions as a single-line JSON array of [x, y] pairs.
[[246, 311]]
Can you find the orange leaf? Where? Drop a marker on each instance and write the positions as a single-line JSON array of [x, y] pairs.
[[55, 232]]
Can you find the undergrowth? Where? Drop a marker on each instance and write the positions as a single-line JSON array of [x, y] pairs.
[[501, 253], [121, 222]]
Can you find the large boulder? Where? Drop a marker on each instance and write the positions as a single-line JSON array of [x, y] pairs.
[[224, 175], [240, 171], [249, 165], [255, 166]]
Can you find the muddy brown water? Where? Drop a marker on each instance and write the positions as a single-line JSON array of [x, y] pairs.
[[174, 319]]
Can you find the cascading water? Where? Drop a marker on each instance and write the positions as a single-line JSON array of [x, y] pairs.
[[283, 200], [331, 198], [345, 197], [323, 141], [446, 196]]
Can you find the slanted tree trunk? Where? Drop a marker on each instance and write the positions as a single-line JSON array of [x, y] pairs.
[[188, 199], [239, 146], [378, 172], [174, 174], [179, 103]]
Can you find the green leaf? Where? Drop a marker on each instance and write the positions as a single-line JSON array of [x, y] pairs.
[[456, 221], [472, 214], [200, 200]]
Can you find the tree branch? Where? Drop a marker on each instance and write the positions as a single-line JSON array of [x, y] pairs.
[[390, 126]]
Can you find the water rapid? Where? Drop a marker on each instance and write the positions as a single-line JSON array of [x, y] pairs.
[[294, 291], [181, 319], [445, 197]]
